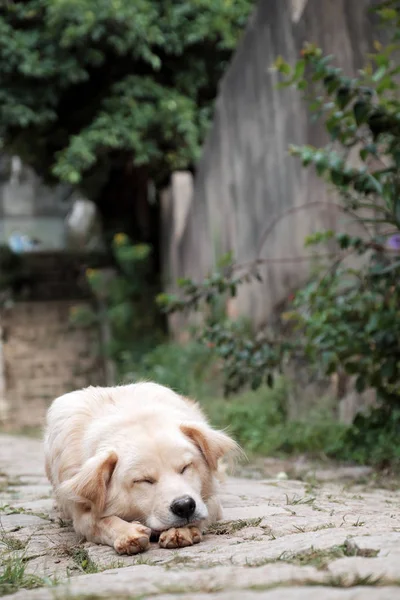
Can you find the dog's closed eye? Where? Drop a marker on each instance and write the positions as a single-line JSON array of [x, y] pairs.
[[185, 468], [148, 481]]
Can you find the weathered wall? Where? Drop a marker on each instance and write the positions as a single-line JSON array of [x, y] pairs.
[[246, 178], [43, 357]]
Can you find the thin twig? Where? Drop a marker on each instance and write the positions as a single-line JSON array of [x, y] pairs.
[[295, 209], [286, 259]]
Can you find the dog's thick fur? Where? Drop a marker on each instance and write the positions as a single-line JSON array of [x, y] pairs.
[[118, 458]]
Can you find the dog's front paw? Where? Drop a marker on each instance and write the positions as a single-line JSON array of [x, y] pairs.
[[180, 538], [136, 539]]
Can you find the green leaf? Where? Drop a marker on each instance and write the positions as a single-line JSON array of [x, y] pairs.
[[282, 66], [299, 69], [343, 240], [321, 163], [388, 369], [390, 268], [377, 76], [388, 14], [361, 112], [361, 384], [343, 96], [331, 83]]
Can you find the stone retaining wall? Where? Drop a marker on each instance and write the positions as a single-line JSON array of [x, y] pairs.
[[42, 358]]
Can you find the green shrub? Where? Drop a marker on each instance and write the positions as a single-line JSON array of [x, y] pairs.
[[373, 439], [347, 318], [259, 422], [125, 304], [189, 369]]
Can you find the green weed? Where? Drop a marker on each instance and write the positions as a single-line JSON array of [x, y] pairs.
[[13, 576], [83, 561]]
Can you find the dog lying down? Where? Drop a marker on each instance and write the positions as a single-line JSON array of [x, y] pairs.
[[135, 461]]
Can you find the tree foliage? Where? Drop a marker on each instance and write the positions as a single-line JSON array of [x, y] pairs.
[[83, 82], [347, 318]]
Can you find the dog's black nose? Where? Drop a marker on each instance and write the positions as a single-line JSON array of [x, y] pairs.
[[183, 507]]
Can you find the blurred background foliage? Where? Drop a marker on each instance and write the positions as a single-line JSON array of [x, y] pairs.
[[88, 84]]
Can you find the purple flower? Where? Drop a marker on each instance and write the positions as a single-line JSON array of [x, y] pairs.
[[394, 242]]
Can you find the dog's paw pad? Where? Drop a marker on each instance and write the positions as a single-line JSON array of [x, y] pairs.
[[133, 543], [180, 538]]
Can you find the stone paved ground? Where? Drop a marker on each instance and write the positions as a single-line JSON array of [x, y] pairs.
[[334, 535]]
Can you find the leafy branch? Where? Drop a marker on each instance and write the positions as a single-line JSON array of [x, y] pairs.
[[346, 318]]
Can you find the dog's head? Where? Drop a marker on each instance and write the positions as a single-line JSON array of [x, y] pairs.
[[161, 476]]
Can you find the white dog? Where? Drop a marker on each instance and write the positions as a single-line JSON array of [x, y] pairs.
[[133, 461]]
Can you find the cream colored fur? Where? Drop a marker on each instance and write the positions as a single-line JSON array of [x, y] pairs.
[[119, 457]]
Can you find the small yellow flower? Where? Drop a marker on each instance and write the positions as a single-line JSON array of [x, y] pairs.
[[120, 238], [90, 272]]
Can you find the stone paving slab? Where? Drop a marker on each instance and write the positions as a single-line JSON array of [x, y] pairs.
[[329, 538], [315, 593]]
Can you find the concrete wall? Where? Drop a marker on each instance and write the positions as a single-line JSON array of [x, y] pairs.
[[246, 179]]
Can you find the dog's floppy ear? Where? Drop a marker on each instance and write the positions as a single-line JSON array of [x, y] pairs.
[[212, 444], [89, 485]]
